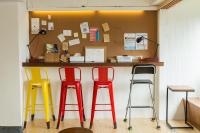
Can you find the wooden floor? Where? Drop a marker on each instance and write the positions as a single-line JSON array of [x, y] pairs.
[[105, 126]]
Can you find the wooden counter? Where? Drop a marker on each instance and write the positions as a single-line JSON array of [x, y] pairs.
[[45, 64]]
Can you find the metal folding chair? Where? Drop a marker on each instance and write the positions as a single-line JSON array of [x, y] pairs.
[[142, 69]]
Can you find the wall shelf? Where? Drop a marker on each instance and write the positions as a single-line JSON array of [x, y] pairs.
[[59, 64]]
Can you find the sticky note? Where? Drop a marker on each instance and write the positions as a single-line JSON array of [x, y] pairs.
[[67, 32], [44, 22], [84, 36], [105, 27], [61, 37], [50, 26], [49, 17], [65, 46], [74, 42], [106, 38], [76, 34]]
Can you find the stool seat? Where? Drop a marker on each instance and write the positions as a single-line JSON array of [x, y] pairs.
[[180, 88], [76, 130], [142, 81]]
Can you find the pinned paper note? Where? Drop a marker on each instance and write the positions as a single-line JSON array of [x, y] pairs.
[[93, 34], [84, 27], [44, 22], [49, 17], [142, 45], [84, 36], [106, 38], [35, 25], [50, 26], [61, 37], [67, 32], [76, 34], [74, 42], [65, 46], [105, 27]]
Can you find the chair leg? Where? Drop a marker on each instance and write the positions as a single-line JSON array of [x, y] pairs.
[[153, 103], [46, 103], [93, 104], [83, 104], [112, 105], [34, 97], [51, 103], [27, 104], [130, 127], [64, 104], [80, 106], [61, 105], [127, 107]]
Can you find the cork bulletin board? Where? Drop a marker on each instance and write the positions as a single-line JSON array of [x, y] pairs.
[[120, 22]]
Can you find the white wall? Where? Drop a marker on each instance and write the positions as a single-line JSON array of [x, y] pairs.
[[12, 36], [180, 44]]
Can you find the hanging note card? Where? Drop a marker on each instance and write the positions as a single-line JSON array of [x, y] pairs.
[[44, 22], [93, 34], [65, 46], [74, 42], [106, 38], [61, 37], [105, 27], [143, 45], [67, 32], [84, 27], [50, 26], [35, 25], [129, 41], [84, 36], [76, 34]]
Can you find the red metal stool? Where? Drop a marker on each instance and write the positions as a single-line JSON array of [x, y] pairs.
[[103, 81], [70, 82]]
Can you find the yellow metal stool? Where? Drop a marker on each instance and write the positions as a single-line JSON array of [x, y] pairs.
[[36, 82]]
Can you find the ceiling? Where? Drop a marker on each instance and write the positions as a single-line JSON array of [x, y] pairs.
[[66, 4]]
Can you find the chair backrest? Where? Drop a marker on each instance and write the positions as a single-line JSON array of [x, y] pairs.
[[70, 73], [34, 74], [144, 69], [103, 73]]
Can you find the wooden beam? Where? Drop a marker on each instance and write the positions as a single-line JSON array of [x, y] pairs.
[[168, 4]]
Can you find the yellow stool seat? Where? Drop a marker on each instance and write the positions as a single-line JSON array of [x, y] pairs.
[[34, 83]]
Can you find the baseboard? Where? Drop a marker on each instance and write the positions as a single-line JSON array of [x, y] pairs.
[[5, 129]]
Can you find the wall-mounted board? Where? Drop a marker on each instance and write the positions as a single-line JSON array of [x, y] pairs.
[[120, 22]]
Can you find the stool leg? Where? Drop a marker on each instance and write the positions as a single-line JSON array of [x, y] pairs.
[[27, 104], [127, 107], [61, 105], [93, 104], [80, 106], [51, 103], [83, 104], [153, 103], [46, 103], [64, 104], [34, 96], [112, 105]]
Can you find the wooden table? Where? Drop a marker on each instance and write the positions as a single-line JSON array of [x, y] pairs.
[[179, 88]]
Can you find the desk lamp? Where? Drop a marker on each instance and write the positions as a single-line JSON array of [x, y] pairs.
[[32, 59], [151, 59]]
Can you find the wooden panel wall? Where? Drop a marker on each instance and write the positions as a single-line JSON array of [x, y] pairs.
[[120, 22]]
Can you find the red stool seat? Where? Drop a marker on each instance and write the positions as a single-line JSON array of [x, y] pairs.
[[103, 82], [70, 83]]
